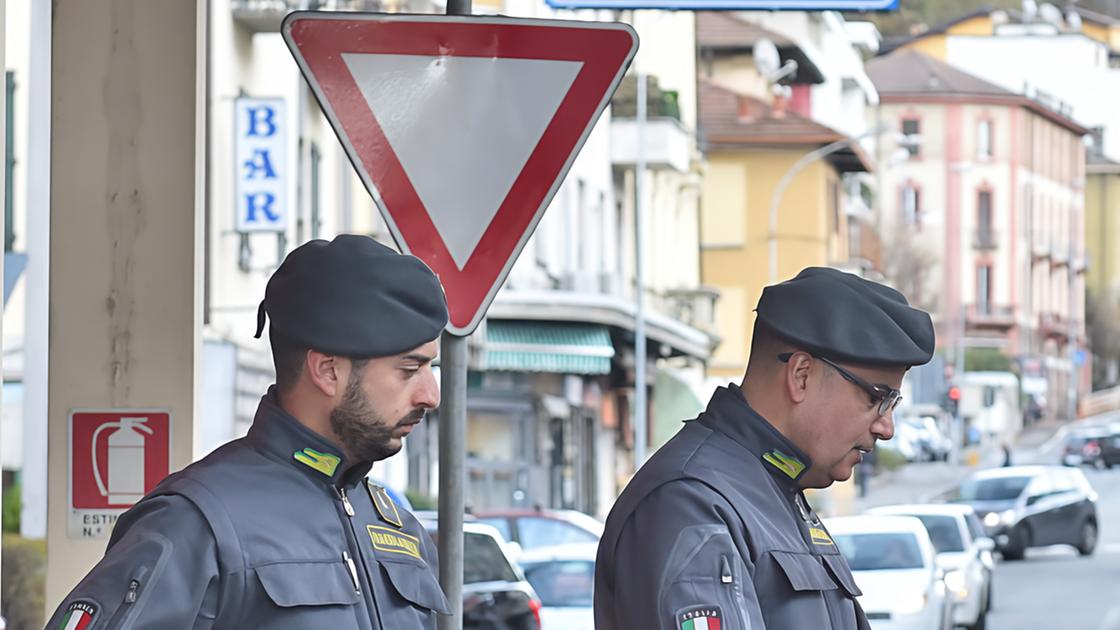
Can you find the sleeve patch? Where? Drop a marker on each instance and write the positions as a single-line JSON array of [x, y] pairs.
[[698, 618], [79, 615]]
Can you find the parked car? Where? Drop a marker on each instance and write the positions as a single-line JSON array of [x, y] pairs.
[[496, 595], [563, 577], [931, 441], [543, 528], [1082, 446], [964, 551], [1108, 449], [895, 565], [905, 443], [1033, 506]]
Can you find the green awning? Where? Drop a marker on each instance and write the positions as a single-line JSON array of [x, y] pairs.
[[559, 348]]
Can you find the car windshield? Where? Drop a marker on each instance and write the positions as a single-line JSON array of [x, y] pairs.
[[880, 551], [562, 583], [944, 531], [483, 561], [536, 532], [992, 489]]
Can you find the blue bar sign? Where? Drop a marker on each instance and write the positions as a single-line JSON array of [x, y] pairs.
[[731, 5], [262, 165]]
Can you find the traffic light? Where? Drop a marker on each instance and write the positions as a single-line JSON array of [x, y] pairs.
[[952, 399]]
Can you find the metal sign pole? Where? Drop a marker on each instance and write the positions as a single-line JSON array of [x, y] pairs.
[[452, 452], [452, 469]]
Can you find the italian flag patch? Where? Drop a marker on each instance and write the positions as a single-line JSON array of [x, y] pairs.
[[700, 618], [79, 616]]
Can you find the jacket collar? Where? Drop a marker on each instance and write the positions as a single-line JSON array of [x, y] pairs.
[[277, 433], [729, 413]]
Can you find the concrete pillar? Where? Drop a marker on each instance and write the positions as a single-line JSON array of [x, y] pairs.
[[127, 111]]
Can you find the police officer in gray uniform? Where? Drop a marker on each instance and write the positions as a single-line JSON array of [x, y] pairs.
[[714, 531], [279, 529]]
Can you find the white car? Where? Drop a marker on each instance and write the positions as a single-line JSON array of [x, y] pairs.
[[964, 551], [895, 565], [563, 577]]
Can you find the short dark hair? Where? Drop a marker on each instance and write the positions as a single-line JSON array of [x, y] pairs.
[[289, 357], [766, 345]]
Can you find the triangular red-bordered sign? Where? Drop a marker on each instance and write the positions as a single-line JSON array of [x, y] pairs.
[[332, 50]]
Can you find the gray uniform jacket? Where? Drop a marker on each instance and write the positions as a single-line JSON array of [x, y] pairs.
[[272, 531], [715, 527]]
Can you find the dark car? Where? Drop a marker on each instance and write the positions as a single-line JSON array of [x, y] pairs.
[[1082, 446], [1032, 506], [533, 529], [1107, 449], [496, 595]]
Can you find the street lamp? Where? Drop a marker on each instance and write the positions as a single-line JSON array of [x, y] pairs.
[[798, 166]]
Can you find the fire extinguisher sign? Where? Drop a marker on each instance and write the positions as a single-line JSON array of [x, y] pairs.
[[116, 457]]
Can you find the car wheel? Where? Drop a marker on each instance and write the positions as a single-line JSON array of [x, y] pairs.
[[1020, 540], [1088, 538]]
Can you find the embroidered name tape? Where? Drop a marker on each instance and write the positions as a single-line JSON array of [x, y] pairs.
[[393, 541]]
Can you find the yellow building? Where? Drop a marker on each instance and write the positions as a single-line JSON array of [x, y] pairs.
[[1102, 228], [750, 145], [984, 22]]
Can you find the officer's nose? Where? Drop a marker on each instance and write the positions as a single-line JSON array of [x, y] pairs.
[[883, 427], [427, 395]]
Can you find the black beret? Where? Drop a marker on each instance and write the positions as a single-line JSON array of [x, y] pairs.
[[848, 319], [354, 297]]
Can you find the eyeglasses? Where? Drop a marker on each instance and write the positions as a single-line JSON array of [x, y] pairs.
[[886, 397]]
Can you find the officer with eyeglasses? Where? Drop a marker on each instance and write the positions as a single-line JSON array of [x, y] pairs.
[[714, 531]]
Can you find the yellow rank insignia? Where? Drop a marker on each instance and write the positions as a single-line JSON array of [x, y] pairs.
[[393, 541], [820, 537], [791, 466], [386, 508], [325, 463]]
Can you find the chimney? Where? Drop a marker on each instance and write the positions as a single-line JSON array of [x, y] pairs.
[[780, 103], [746, 109]]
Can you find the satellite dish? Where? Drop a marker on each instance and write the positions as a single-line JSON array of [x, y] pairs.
[[766, 58], [1051, 14], [1030, 10]]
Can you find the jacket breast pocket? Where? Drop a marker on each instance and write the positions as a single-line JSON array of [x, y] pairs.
[[415, 592], [705, 578], [305, 595], [823, 583]]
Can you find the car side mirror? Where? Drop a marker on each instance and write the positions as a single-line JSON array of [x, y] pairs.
[[985, 544]]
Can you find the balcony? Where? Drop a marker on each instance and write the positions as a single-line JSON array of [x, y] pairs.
[[1040, 248], [668, 143], [265, 16], [985, 239], [1054, 325], [991, 317], [695, 307], [1059, 254]]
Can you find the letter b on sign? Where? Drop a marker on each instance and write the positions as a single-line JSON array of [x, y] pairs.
[[262, 177]]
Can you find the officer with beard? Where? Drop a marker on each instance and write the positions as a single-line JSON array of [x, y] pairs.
[[279, 529]]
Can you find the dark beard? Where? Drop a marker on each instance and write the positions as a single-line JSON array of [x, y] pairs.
[[365, 436]]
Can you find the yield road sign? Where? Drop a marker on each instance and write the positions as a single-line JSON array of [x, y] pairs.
[[461, 127]]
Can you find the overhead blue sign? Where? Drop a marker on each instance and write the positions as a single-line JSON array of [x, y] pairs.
[[731, 5], [262, 165]]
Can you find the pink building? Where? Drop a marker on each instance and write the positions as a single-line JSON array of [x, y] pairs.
[[983, 223]]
